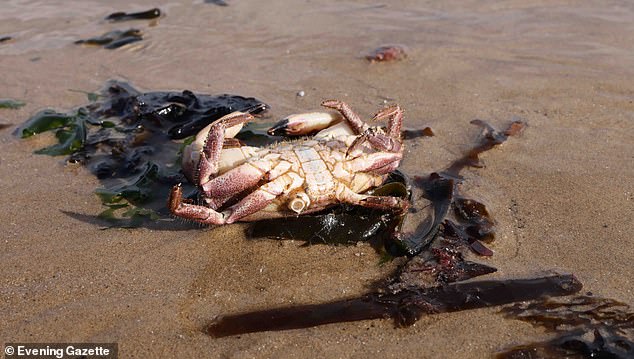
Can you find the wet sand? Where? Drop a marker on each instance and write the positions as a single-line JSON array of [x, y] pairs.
[[562, 193]]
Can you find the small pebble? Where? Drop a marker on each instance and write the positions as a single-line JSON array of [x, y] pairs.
[[301, 93]]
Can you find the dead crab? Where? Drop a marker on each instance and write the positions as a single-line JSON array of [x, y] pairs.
[[344, 159]]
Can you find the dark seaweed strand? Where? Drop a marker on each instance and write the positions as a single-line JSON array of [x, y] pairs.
[[404, 307], [141, 15]]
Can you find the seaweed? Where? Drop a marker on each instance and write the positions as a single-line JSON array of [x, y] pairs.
[[491, 137], [141, 15], [428, 283], [404, 307], [131, 141], [439, 192], [114, 39], [584, 327], [70, 130], [217, 2], [435, 239], [118, 38], [471, 221], [10, 103], [443, 262], [474, 215]]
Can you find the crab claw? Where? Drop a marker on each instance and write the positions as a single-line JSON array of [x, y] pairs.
[[192, 153], [304, 124], [279, 129]]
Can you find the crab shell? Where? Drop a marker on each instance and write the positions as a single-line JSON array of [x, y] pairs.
[[294, 125]]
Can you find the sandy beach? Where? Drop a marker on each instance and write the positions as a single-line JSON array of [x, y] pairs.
[[562, 193]]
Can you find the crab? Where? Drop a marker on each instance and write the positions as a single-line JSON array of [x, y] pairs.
[[340, 163]]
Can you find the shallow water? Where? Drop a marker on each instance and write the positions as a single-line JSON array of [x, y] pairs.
[[561, 193]]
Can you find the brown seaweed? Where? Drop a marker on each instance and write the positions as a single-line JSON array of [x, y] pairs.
[[114, 39], [404, 307], [584, 327], [472, 222], [431, 280], [491, 138], [474, 215], [443, 262], [141, 15], [460, 234]]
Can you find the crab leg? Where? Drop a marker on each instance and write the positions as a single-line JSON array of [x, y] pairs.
[[355, 123], [201, 214], [390, 142], [264, 195], [345, 194], [210, 156], [377, 163], [378, 141], [394, 114], [220, 189], [250, 204]]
